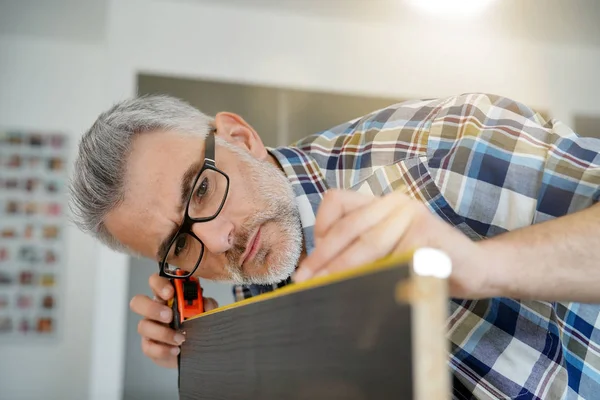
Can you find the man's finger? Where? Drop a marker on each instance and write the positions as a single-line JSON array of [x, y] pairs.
[[147, 308], [160, 333], [170, 362], [348, 229], [336, 204], [377, 243], [210, 304], [161, 287], [159, 351]]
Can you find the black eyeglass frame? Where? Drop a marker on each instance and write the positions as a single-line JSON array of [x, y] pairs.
[[188, 221]]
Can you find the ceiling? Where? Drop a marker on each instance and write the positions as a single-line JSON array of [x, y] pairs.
[[572, 22], [74, 20]]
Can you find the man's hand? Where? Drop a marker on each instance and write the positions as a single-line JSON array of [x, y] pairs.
[[159, 342], [352, 229]]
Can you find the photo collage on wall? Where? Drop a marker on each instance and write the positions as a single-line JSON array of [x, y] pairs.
[[33, 180]]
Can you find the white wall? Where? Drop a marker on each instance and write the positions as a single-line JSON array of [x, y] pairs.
[[54, 86], [201, 40], [63, 86]]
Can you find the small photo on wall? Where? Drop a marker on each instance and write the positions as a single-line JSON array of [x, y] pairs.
[[25, 325], [28, 231], [5, 278], [4, 254], [57, 141], [12, 207], [52, 187], [14, 161], [24, 301], [29, 254], [26, 278], [36, 140], [48, 302], [33, 162], [50, 232], [10, 184], [8, 233], [31, 208], [4, 301], [6, 325], [55, 164], [45, 325], [47, 280], [32, 184], [50, 256], [15, 138], [53, 209]]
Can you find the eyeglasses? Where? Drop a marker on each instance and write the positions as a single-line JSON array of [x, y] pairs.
[[206, 200]]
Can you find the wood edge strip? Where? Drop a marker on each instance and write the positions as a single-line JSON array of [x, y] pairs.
[[384, 263]]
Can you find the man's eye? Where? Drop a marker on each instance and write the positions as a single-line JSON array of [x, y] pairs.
[[202, 188], [180, 244]]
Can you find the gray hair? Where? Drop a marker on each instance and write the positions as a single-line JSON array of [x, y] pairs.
[[97, 184]]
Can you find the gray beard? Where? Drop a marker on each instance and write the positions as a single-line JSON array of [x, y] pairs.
[[280, 210]]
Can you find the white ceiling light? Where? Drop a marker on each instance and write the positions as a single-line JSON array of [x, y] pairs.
[[452, 8]]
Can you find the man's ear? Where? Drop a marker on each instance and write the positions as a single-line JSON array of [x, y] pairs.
[[232, 128]]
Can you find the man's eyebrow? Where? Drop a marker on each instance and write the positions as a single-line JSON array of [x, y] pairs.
[[164, 246], [185, 190], [186, 183]]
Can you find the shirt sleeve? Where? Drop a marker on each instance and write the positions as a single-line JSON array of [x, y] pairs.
[[502, 166]]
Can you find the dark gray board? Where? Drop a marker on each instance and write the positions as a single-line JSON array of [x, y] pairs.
[[345, 340]]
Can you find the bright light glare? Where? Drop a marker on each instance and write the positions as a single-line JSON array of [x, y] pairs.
[[452, 8], [432, 262]]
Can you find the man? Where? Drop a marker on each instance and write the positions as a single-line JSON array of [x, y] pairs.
[[509, 196]]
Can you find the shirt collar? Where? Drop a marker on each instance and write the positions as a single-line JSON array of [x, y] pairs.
[[308, 183]]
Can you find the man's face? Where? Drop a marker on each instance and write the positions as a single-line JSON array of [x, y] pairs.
[[256, 238]]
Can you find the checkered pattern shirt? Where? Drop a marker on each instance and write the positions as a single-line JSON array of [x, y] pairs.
[[486, 165]]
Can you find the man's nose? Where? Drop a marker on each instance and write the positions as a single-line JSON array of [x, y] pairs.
[[217, 235]]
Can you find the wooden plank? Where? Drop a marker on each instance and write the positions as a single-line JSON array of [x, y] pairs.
[[346, 336]]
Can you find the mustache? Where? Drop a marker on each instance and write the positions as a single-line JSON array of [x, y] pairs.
[[234, 254]]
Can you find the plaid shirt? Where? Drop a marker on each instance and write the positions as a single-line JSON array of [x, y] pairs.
[[486, 165]]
